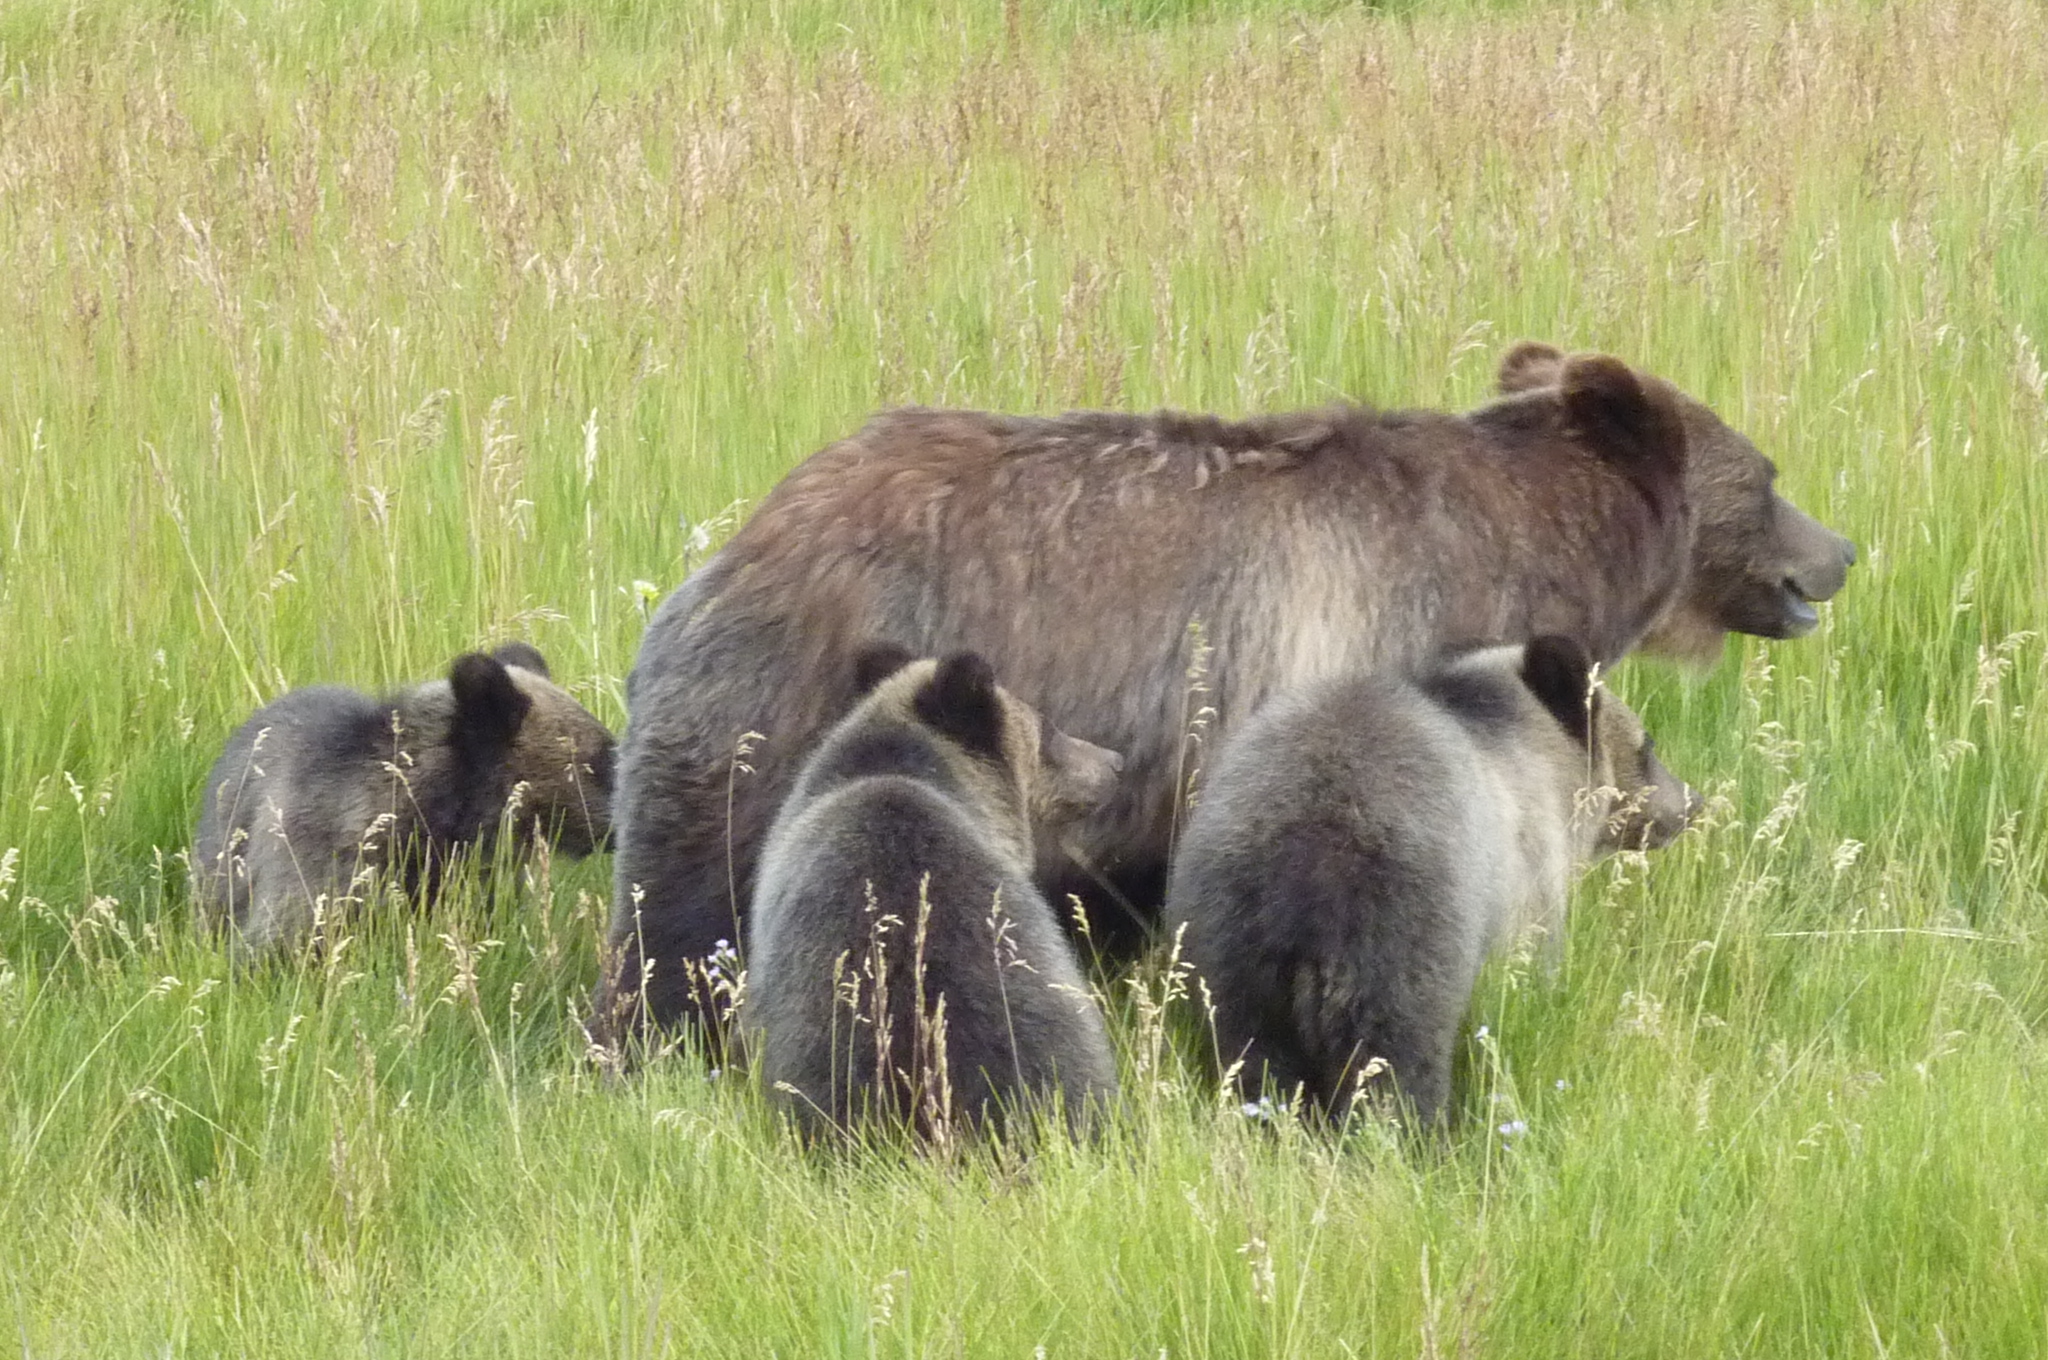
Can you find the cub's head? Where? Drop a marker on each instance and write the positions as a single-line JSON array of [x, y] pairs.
[[1004, 747], [1758, 563], [1643, 804], [512, 719]]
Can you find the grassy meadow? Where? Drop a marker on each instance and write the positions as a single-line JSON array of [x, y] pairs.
[[341, 339]]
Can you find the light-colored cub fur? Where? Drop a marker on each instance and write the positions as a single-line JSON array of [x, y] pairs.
[[903, 970], [1363, 844]]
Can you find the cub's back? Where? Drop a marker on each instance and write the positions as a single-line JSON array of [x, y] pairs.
[[883, 838], [1357, 804], [890, 859], [1362, 757], [301, 764]]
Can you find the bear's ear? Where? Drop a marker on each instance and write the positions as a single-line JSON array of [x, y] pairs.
[[1529, 364], [525, 656], [489, 706], [1625, 420], [876, 662], [1559, 672], [960, 701]]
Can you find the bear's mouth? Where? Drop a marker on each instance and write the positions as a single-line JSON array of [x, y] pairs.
[[1798, 617]]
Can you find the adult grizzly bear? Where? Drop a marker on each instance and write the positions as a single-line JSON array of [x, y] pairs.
[[1077, 554]]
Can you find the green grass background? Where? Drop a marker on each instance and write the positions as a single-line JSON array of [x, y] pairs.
[[338, 339]]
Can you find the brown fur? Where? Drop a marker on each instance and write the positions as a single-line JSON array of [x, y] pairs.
[[1077, 554], [1758, 561]]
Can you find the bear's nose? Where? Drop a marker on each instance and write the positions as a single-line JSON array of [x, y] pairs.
[[1817, 559], [1821, 580]]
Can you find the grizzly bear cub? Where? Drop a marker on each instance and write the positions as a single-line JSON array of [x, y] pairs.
[[1362, 844], [903, 971], [326, 788]]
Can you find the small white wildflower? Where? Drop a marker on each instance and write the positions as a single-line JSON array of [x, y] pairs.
[[1563, 1085], [1262, 1108], [1482, 1032], [1514, 1128]]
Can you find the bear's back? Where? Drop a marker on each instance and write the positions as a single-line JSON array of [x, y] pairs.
[[889, 834], [894, 859], [1356, 796], [307, 752], [295, 788], [1356, 854]]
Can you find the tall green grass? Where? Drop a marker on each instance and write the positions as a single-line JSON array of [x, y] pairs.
[[340, 340]]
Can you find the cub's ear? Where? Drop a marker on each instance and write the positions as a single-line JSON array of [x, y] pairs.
[[1559, 672], [876, 662], [1529, 364], [525, 656], [961, 701], [1629, 422], [489, 707]]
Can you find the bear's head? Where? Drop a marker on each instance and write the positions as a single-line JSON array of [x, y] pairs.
[[1641, 805], [514, 727], [1026, 772], [1758, 564]]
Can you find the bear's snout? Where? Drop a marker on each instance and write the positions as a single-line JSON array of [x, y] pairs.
[[1817, 562], [1670, 806], [1084, 774]]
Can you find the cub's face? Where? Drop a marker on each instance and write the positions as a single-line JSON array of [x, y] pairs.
[[1064, 778], [564, 756], [1650, 805]]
